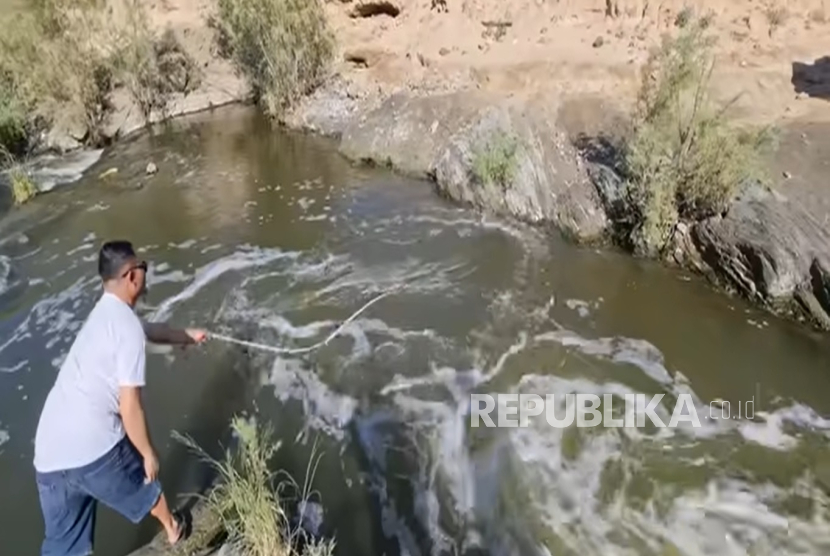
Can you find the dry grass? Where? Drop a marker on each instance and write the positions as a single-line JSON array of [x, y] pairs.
[[683, 161], [65, 56], [248, 498], [777, 16], [56, 57], [283, 47]]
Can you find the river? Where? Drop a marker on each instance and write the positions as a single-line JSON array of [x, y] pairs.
[[275, 238]]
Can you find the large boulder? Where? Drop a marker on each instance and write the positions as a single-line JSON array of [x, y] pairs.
[[438, 137], [409, 133], [771, 250]]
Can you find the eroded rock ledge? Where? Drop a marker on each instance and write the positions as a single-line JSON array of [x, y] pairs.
[[772, 250], [435, 137]]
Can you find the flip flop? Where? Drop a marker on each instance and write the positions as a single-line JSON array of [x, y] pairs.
[[181, 525]]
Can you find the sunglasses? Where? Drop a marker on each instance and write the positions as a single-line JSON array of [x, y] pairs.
[[142, 265]]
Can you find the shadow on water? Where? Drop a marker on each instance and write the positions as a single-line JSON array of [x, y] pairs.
[[812, 79]]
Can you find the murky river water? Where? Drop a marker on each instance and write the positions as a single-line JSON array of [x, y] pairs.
[[277, 239]]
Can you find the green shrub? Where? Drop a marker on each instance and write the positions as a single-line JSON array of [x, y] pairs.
[[247, 500], [283, 47], [64, 56], [684, 160], [494, 161], [56, 54]]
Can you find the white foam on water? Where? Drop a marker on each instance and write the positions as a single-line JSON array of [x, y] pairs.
[[620, 350], [565, 490], [583, 308], [4, 437], [5, 274], [241, 260], [53, 315], [315, 217], [187, 244], [51, 170], [412, 276], [20, 365], [157, 275], [324, 409]]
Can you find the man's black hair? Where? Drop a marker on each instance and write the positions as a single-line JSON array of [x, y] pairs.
[[112, 257]]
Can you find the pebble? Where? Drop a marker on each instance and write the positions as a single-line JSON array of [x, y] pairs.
[[151, 168], [787, 175]]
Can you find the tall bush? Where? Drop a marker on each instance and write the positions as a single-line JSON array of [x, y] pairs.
[[282, 46], [684, 161]]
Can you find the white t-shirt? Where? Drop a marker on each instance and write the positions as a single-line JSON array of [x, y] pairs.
[[80, 421]]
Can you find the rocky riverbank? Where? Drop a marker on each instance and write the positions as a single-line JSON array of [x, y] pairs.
[[772, 245]]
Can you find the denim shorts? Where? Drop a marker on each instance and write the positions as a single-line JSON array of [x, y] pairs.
[[68, 499]]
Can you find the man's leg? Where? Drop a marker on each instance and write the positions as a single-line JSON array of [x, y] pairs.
[[172, 526], [118, 482], [68, 515]]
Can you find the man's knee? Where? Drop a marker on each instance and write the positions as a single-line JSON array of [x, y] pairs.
[[119, 483]]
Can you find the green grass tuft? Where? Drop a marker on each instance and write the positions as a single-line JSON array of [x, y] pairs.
[[248, 499], [22, 186], [494, 160]]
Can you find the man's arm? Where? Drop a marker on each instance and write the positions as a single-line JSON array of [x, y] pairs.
[[130, 365], [161, 333], [135, 425]]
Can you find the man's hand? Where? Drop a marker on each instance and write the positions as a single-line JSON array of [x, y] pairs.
[[161, 333], [196, 334], [151, 468]]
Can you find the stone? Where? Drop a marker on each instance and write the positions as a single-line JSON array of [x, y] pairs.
[[68, 132], [436, 137], [598, 42], [330, 108], [228, 550], [771, 250], [151, 168]]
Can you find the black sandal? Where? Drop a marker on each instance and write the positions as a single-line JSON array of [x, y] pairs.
[[181, 524]]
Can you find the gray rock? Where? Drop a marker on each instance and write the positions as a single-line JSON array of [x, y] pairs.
[[68, 133], [437, 136], [328, 110], [771, 250], [228, 550], [409, 133]]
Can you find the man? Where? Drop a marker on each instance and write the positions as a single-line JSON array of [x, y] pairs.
[[92, 442]]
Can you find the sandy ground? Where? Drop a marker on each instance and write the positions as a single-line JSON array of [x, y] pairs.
[[570, 48], [559, 49]]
